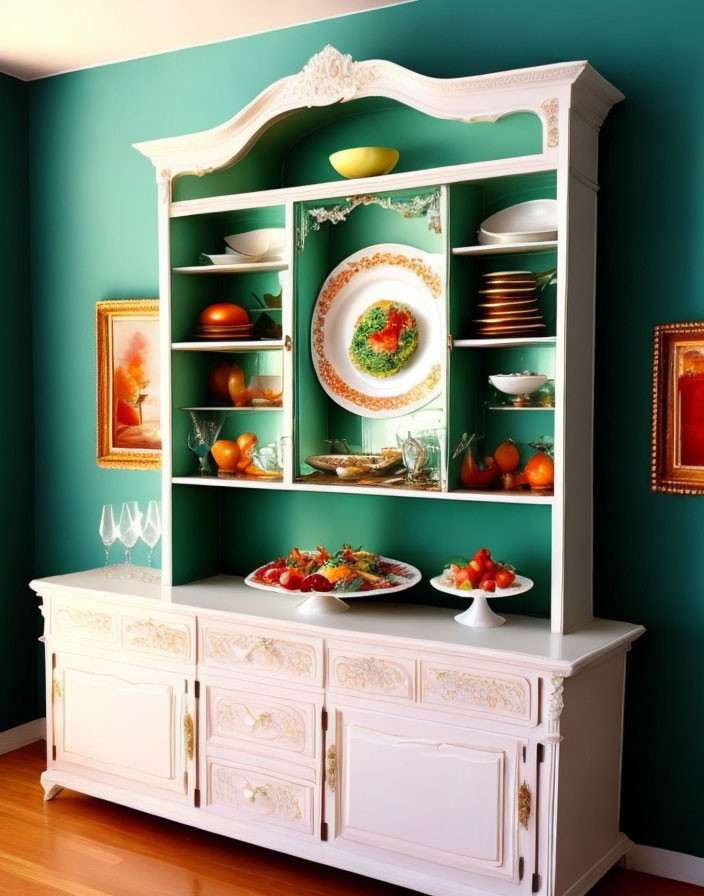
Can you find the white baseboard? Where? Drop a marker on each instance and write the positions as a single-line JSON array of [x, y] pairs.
[[18, 737], [664, 863]]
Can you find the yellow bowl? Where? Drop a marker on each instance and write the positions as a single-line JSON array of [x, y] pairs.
[[364, 161]]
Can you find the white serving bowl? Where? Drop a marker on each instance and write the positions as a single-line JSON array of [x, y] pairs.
[[518, 383], [533, 221], [266, 241]]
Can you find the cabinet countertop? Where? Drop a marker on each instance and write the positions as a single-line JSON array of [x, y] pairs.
[[522, 639]]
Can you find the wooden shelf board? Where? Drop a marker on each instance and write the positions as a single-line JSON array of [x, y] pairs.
[[257, 266], [506, 248], [505, 407], [221, 482], [504, 343], [241, 345], [231, 409]]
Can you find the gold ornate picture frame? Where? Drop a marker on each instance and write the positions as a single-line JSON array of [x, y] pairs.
[[678, 409], [129, 389]]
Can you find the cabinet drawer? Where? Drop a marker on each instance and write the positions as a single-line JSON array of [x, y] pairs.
[[477, 691], [245, 791], [123, 628], [263, 652], [374, 674], [257, 718]]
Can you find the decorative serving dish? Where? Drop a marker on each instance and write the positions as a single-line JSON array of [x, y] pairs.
[[387, 274], [479, 614], [533, 221], [364, 161], [347, 465]]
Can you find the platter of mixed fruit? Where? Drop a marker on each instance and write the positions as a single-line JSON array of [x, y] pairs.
[[481, 577], [346, 573]]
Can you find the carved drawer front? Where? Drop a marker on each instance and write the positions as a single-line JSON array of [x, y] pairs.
[[82, 621], [257, 719], [166, 635], [372, 673], [257, 795], [479, 691], [263, 652]]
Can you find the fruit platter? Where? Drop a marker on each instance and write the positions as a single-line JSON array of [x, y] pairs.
[[323, 578], [481, 577]]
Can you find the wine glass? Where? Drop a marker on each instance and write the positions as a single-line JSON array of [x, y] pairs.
[[206, 429], [108, 533], [128, 532], [150, 533]]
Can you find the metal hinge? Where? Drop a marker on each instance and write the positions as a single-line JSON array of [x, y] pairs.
[[53, 752], [196, 798], [541, 752], [520, 868], [524, 754], [197, 690], [450, 342], [324, 719], [323, 830], [535, 882]]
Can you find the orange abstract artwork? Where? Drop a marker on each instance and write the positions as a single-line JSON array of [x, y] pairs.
[[129, 390]]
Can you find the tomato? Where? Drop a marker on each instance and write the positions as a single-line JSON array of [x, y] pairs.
[[461, 576], [227, 455], [217, 380], [474, 572], [488, 585], [316, 582], [504, 578], [482, 555], [273, 574], [291, 579]]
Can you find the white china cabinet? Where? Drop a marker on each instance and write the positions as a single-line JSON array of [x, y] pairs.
[[387, 740]]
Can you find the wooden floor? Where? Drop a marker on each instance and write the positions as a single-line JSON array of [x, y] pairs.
[[87, 847]]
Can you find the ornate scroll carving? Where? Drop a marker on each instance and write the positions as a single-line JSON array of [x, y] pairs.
[[552, 108], [145, 634], [281, 726], [189, 734], [328, 77], [234, 789], [331, 769], [267, 654], [453, 686], [359, 673], [86, 623], [524, 804]]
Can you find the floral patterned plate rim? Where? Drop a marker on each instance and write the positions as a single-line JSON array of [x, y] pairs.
[[386, 271]]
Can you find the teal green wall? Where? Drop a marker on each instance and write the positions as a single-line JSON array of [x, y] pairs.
[[93, 215], [19, 625]]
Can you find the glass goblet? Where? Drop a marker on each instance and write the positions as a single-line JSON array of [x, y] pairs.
[[128, 532], [150, 533], [206, 429], [108, 534]]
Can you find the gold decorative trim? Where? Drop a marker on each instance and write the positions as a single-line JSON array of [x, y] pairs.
[[274, 655], [331, 769], [56, 690], [453, 686], [360, 673], [524, 805], [189, 735], [109, 456], [145, 634], [552, 109], [83, 623]]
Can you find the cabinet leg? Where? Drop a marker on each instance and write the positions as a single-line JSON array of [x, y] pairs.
[[50, 789]]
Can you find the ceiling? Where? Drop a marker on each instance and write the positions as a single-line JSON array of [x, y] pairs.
[[46, 37]]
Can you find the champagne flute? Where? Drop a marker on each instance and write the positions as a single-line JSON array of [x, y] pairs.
[[108, 533], [150, 533], [128, 531]]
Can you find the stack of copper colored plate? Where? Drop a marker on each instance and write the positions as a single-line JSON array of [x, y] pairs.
[[508, 305], [224, 332]]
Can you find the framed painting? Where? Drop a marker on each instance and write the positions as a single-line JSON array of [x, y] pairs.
[[129, 389], [678, 409]]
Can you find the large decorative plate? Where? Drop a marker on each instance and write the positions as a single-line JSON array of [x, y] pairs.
[[384, 272]]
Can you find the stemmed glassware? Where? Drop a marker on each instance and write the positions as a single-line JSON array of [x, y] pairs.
[[128, 532], [206, 429], [108, 533], [150, 533]]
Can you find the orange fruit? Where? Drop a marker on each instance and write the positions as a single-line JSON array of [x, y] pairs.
[[218, 378], [507, 456], [235, 383], [226, 454], [245, 443], [540, 471], [224, 313]]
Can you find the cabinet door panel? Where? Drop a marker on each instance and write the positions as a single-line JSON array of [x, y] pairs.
[[115, 719], [441, 795]]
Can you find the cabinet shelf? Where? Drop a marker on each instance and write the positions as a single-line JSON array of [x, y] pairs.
[[507, 248], [253, 268], [241, 345], [221, 482], [504, 407], [507, 342], [233, 409]]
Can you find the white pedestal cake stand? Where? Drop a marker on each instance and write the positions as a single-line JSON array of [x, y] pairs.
[[479, 615]]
